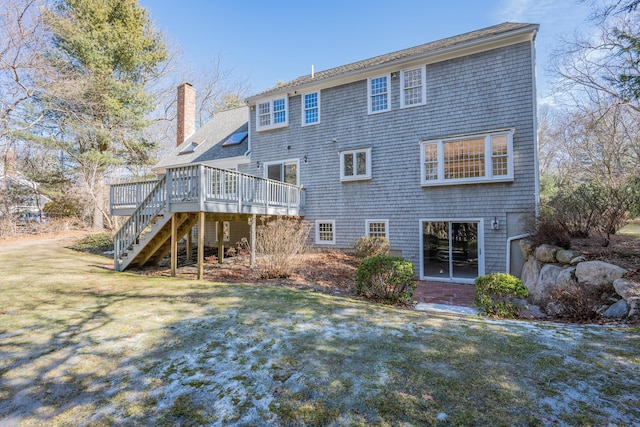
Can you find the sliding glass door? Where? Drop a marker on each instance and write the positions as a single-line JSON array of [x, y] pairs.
[[452, 250]]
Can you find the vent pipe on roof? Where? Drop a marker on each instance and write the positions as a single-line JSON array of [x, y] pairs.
[[312, 72], [186, 125]]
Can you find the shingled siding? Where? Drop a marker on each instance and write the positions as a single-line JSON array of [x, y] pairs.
[[477, 93]]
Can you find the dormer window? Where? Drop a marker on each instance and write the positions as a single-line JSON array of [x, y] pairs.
[[191, 147], [272, 114]]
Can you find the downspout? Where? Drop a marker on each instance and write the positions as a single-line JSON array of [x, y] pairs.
[[536, 162], [509, 241], [248, 153]]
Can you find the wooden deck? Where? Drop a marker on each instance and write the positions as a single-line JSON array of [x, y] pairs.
[[152, 206]]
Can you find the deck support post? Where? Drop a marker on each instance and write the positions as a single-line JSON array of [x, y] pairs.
[[201, 245], [220, 241], [252, 223], [174, 244]]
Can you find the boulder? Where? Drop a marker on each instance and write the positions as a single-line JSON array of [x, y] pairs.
[[577, 260], [527, 247], [627, 289], [530, 273], [546, 253], [598, 273], [548, 277], [555, 309], [564, 256], [634, 307], [617, 310]]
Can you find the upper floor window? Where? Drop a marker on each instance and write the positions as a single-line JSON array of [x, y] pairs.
[[412, 87], [355, 164], [272, 114], [378, 92], [470, 159], [310, 108]]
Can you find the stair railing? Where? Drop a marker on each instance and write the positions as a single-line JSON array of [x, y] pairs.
[[141, 218]]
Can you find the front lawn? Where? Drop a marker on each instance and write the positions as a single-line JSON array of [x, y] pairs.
[[82, 345]]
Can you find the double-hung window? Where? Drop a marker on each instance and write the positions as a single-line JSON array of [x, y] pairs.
[[486, 157], [310, 108], [325, 232], [378, 94], [412, 87], [272, 114], [377, 228], [355, 164]]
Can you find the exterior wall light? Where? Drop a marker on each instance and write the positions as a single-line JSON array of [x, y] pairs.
[[495, 224]]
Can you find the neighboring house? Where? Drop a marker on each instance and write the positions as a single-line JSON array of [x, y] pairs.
[[19, 196], [433, 147]]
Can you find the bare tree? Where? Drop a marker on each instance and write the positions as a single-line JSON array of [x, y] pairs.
[[216, 90], [606, 63], [22, 43]]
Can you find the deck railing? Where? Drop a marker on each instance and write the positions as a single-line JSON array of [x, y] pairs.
[[129, 195], [142, 217], [200, 183], [198, 188]]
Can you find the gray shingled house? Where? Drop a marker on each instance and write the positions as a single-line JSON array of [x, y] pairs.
[[433, 147]]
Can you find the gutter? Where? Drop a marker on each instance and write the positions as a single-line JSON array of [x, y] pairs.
[[474, 46]]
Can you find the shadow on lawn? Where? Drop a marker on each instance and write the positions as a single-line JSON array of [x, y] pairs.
[[248, 355]]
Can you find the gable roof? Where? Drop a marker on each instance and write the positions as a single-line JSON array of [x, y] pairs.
[[210, 139], [459, 42]]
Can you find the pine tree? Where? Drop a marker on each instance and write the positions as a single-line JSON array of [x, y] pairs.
[[108, 51]]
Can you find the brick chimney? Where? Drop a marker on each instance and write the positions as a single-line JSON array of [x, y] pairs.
[[186, 112]]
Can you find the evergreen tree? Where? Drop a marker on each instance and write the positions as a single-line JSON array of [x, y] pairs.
[[108, 52]]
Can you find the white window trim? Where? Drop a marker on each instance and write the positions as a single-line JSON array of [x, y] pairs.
[[265, 173], [304, 109], [384, 221], [325, 242], [403, 104], [481, 248], [369, 94], [367, 176], [272, 113], [488, 167]]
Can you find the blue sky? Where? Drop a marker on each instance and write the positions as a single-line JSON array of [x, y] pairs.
[[265, 42]]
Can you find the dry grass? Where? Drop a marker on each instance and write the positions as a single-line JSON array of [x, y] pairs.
[[82, 345]]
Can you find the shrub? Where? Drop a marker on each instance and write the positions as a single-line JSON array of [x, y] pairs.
[[495, 294], [370, 246], [549, 230], [574, 302], [387, 278], [278, 243], [94, 243]]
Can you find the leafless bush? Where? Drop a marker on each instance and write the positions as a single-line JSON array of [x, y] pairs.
[[279, 241], [548, 230], [370, 246], [577, 302], [12, 228], [8, 228]]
